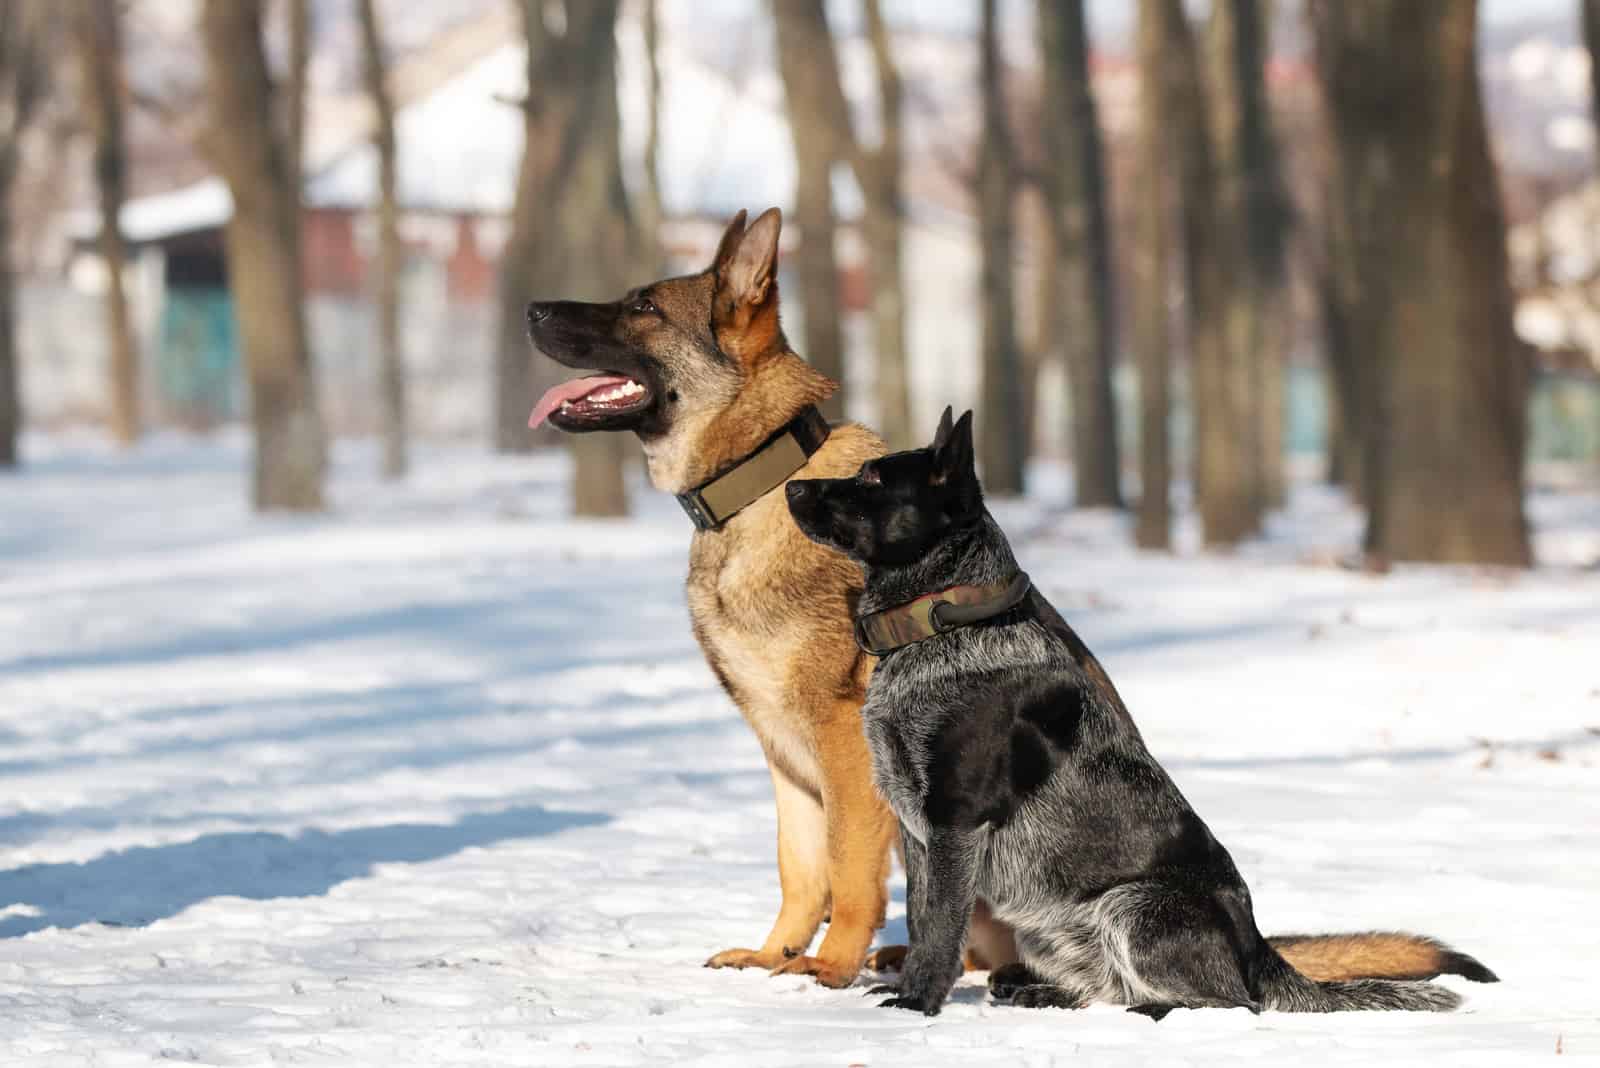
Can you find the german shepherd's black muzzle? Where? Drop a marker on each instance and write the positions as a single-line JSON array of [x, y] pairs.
[[590, 337]]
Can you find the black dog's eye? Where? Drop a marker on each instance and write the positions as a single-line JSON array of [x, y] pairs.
[[643, 306], [870, 477]]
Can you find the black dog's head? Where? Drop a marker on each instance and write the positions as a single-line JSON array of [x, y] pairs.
[[897, 507]]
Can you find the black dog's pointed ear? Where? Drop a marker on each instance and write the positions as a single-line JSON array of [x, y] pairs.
[[942, 435], [953, 457], [729, 243]]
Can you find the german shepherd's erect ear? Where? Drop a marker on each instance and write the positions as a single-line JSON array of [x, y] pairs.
[[744, 304]]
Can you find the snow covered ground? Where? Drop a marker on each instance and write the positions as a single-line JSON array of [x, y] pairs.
[[440, 779]]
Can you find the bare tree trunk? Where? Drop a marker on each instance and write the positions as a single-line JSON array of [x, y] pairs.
[[1075, 186], [1150, 259], [391, 360], [1003, 448], [249, 150], [1591, 41], [1224, 460], [1446, 379], [99, 25], [809, 70], [24, 50], [573, 232], [878, 172], [543, 114], [295, 89], [651, 213], [1254, 207]]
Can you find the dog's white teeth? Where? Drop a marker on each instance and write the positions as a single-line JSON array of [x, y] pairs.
[[631, 389]]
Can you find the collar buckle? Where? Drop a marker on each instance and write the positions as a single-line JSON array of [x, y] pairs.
[[694, 506]]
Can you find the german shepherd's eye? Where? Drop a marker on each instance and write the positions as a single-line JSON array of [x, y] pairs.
[[870, 477], [643, 306]]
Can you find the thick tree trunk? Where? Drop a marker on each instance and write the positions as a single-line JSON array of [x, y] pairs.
[[24, 53], [1075, 187], [248, 149], [1445, 382], [517, 374], [651, 213], [391, 360], [1003, 446], [573, 233], [99, 25], [299, 14], [810, 73], [1254, 210], [878, 173], [10, 377], [1591, 41], [1150, 257], [595, 228], [1224, 456]]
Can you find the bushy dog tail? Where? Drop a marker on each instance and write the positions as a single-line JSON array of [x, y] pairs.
[[1286, 990], [1376, 955]]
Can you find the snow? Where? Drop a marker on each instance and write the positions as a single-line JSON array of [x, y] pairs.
[[439, 778]]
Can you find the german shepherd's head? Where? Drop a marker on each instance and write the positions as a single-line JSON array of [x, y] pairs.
[[697, 366], [897, 507]]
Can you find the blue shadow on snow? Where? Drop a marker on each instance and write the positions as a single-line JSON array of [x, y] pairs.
[[135, 887]]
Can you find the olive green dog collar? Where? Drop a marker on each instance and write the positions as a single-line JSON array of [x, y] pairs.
[[719, 499], [936, 613]]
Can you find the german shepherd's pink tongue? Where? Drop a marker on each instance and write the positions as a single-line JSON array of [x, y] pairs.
[[596, 387]]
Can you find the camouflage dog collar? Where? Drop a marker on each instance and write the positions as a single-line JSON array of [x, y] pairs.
[[936, 613], [719, 499]]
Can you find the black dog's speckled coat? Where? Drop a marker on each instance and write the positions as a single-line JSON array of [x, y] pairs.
[[1019, 777]]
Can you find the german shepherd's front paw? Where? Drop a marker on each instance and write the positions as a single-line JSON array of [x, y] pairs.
[[887, 958], [745, 958], [828, 973]]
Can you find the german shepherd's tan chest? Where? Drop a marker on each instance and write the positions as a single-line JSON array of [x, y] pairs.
[[770, 611]]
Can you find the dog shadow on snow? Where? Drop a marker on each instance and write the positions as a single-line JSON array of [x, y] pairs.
[[135, 887]]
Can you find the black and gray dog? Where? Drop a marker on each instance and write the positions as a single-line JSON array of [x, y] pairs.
[[1019, 777]]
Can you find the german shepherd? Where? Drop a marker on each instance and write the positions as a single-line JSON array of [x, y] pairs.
[[1019, 778], [698, 367]]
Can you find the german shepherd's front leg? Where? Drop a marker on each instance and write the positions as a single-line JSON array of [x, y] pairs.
[[802, 877], [941, 895], [860, 834]]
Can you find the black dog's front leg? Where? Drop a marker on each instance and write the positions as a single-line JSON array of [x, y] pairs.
[[916, 857], [941, 889]]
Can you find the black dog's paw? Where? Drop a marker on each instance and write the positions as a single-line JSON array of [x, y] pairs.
[[882, 988], [1046, 996], [1155, 1012], [1005, 981], [913, 1004]]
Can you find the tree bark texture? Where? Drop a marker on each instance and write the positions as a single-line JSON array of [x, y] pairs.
[[249, 150], [810, 74], [1002, 441], [573, 232], [1255, 215], [24, 53], [1444, 379], [99, 27], [1224, 452], [391, 254], [1150, 258], [1074, 184]]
